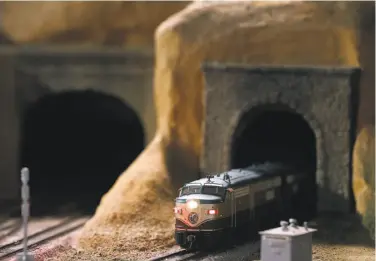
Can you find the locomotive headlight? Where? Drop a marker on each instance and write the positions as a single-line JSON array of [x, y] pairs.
[[192, 204]]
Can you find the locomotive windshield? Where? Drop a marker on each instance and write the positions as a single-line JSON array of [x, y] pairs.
[[187, 190], [208, 190], [214, 190]]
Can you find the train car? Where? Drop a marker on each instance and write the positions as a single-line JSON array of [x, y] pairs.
[[210, 209]]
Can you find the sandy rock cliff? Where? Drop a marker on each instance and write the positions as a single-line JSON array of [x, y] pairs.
[[261, 33], [268, 33], [306, 33], [93, 23]]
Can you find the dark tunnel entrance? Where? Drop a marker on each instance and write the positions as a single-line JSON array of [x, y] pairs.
[[76, 144], [274, 133]]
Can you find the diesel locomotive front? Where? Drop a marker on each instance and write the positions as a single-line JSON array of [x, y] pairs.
[[201, 212], [209, 210]]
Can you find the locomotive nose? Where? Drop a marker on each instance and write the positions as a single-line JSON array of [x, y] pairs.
[[193, 218]]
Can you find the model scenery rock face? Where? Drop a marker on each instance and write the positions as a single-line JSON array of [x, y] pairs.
[[136, 214], [126, 24], [299, 33]]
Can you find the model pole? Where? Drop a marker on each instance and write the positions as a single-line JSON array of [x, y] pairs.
[[25, 211]]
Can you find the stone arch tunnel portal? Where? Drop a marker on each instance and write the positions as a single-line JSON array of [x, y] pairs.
[[76, 144], [275, 133]]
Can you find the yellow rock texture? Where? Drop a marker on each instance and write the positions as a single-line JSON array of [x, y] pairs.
[[364, 168], [94, 23], [364, 176], [138, 208], [303, 33]]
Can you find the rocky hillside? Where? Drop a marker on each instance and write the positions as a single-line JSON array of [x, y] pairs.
[[130, 24], [283, 32], [303, 33]]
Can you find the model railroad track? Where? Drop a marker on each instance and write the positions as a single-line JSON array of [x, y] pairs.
[[187, 255], [11, 221], [10, 228], [35, 239], [9, 225], [178, 255], [8, 213]]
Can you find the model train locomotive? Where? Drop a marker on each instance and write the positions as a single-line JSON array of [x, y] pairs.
[[254, 197]]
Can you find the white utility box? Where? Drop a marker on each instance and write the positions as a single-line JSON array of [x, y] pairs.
[[289, 242]]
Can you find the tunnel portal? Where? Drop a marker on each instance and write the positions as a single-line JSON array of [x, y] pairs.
[[315, 127], [275, 133], [272, 134], [76, 144]]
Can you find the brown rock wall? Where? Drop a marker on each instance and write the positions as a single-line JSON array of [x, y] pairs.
[[303, 33], [364, 168], [95, 23], [364, 176], [239, 32]]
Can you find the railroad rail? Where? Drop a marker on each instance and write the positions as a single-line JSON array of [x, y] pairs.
[[52, 232], [187, 255], [10, 228], [182, 255], [170, 256]]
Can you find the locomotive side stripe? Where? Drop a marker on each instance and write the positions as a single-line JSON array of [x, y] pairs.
[[208, 223], [201, 201], [198, 229], [242, 189], [241, 192]]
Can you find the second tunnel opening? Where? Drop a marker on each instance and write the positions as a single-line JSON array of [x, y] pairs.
[[275, 133], [76, 144]]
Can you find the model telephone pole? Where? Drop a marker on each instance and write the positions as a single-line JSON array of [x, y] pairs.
[[25, 211]]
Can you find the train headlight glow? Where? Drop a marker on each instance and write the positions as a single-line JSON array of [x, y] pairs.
[[192, 204]]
